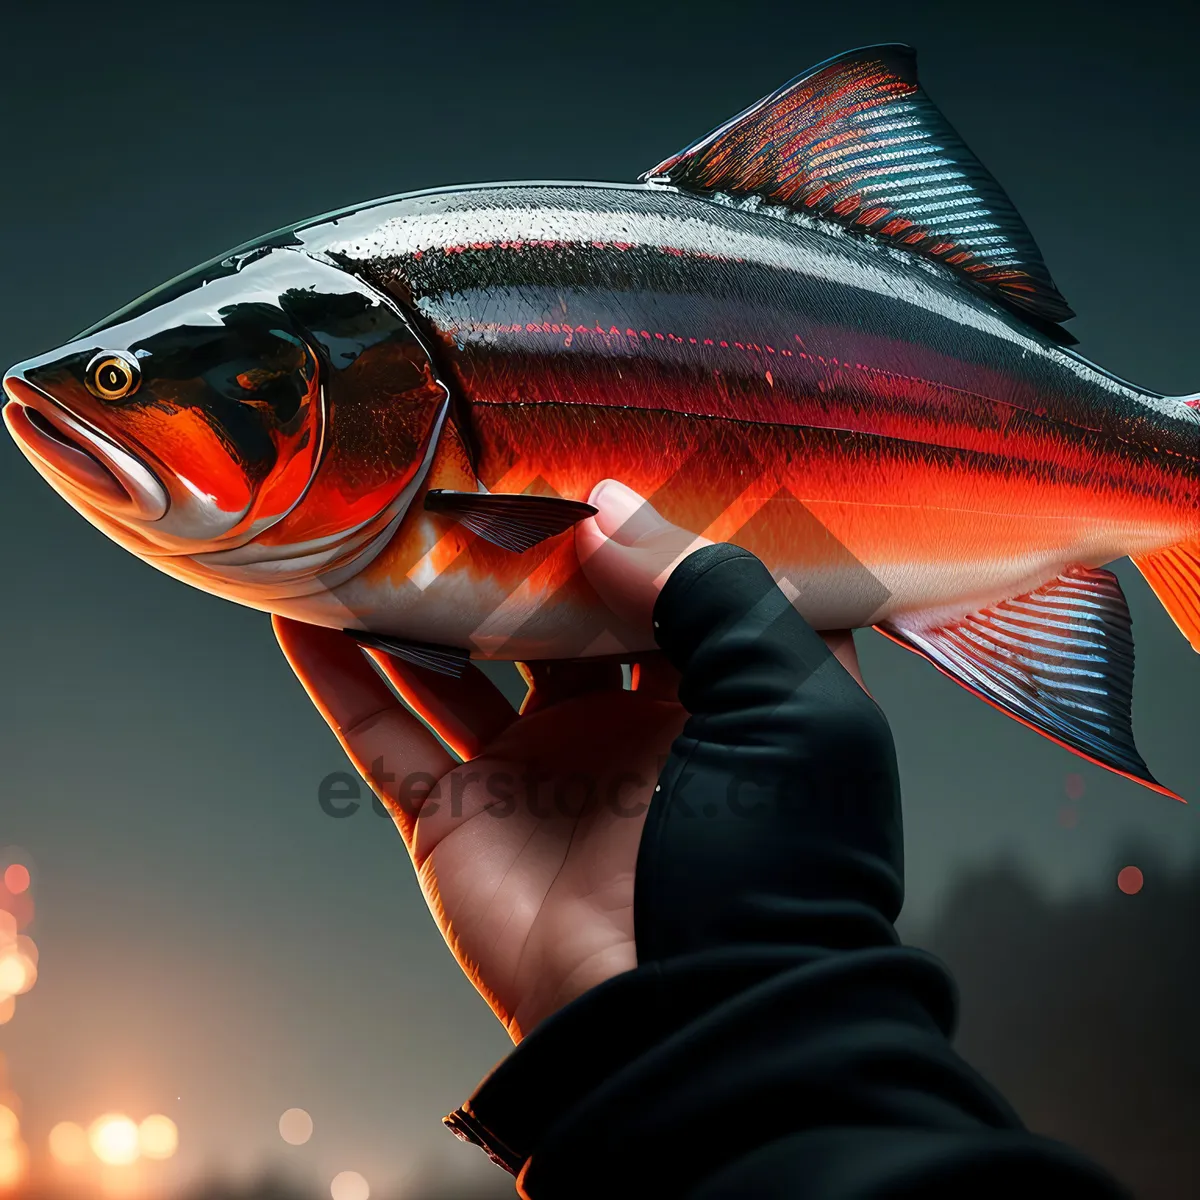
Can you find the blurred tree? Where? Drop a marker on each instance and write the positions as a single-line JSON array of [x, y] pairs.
[[1080, 1012]]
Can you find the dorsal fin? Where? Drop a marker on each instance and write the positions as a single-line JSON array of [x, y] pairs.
[[856, 141]]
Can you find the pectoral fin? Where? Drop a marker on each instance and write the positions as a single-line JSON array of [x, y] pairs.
[[511, 520], [1059, 660], [445, 660]]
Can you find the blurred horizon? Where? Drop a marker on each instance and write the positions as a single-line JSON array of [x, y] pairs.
[[1056, 969]]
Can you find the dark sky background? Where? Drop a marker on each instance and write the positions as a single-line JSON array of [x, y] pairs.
[[213, 945]]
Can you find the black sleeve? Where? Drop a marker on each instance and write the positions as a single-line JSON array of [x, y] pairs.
[[775, 1039]]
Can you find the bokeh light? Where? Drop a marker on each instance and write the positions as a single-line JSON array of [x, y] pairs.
[[17, 973], [295, 1127], [114, 1139], [158, 1137], [16, 878], [349, 1185], [16, 906], [1074, 786], [14, 1159], [69, 1143], [1129, 880]]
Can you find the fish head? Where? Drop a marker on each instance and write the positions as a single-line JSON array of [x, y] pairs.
[[195, 423]]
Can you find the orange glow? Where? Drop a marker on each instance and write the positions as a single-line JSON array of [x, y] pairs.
[[69, 1143], [16, 878], [17, 974], [14, 1159], [114, 1140], [158, 1137], [124, 1180], [295, 1127], [349, 1185], [18, 971]]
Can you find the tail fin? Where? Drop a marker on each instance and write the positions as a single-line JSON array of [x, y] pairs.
[[1174, 575]]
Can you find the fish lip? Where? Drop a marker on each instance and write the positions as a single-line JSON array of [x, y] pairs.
[[109, 477]]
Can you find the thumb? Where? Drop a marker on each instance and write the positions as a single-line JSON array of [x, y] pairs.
[[628, 550]]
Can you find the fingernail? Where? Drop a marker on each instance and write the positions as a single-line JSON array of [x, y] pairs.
[[625, 516]]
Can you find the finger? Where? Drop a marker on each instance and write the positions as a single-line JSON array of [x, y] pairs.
[[552, 682], [626, 591], [398, 757], [628, 550], [841, 642], [466, 713]]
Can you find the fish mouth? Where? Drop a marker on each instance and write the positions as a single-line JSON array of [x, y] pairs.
[[85, 461]]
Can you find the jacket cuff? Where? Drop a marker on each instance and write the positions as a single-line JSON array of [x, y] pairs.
[[467, 1127]]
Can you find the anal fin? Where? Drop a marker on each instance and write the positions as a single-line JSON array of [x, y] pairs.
[[445, 660], [1174, 575], [512, 520], [1059, 660]]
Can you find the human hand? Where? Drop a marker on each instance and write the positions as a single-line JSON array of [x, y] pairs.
[[525, 840], [628, 552]]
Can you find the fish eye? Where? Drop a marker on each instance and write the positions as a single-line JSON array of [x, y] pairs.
[[112, 376]]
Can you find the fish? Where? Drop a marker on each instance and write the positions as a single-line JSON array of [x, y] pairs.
[[821, 332]]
